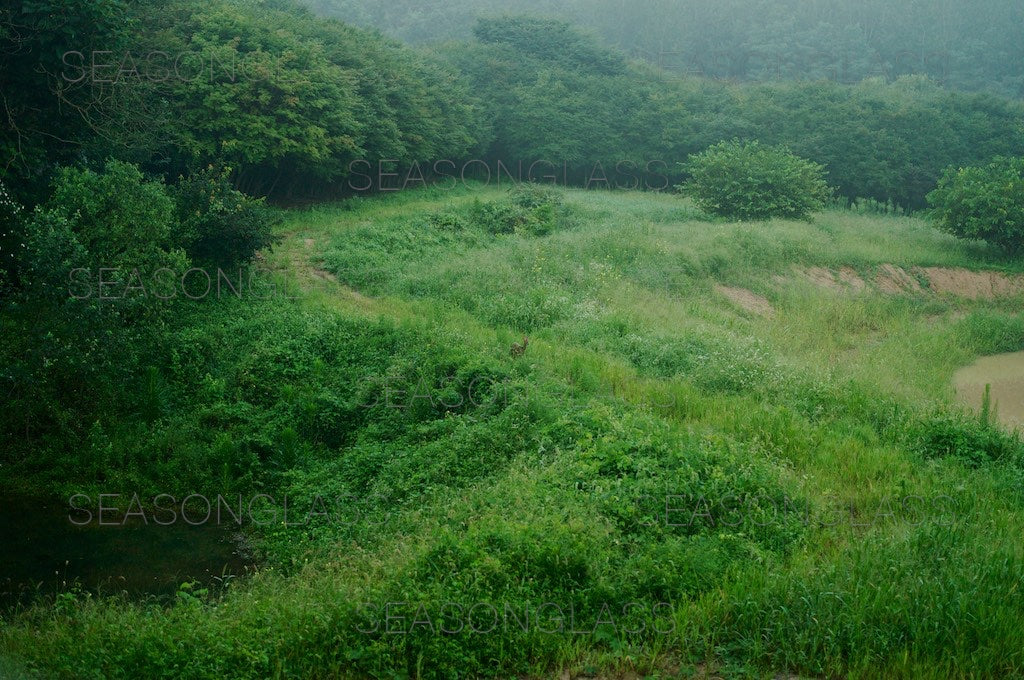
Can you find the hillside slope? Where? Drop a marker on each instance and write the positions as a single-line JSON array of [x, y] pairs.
[[727, 448]]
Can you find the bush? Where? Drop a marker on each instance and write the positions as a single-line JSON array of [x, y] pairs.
[[73, 346], [755, 182], [529, 209], [984, 203], [221, 226], [972, 441], [118, 216], [447, 221]]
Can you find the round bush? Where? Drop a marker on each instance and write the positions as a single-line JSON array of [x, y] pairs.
[[983, 203], [750, 181], [220, 225]]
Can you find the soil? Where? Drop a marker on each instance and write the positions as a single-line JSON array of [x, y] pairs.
[[971, 285], [746, 299], [893, 280], [822, 277], [850, 277]]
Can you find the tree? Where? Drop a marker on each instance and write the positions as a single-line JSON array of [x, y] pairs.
[[290, 101], [12, 237], [749, 181], [553, 42], [48, 107], [984, 203]]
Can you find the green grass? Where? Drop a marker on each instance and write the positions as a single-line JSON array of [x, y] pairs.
[[640, 382]]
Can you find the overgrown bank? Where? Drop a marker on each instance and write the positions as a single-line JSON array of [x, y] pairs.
[[733, 492]]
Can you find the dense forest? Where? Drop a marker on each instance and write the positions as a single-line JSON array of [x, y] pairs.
[[299, 106], [973, 46], [606, 256]]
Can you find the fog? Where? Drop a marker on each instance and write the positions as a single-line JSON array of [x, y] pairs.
[[964, 45]]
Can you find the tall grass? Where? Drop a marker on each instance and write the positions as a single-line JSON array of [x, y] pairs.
[[643, 390]]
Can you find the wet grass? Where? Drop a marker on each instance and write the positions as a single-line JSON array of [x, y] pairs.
[[856, 525]]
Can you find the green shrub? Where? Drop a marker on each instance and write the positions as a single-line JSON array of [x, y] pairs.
[[120, 218], [529, 209], [447, 221], [51, 251], [68, 354], [749, 181], [119, 225], [984, 203], [494, 217], [219, 225], [973, 441]]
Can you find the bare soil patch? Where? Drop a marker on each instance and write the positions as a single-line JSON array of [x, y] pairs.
[[895, 280], [850, 277], [746, 299], [822, 277], [972, 285]]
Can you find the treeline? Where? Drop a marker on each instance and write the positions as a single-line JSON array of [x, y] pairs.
[[284, 99], [127, 129], [299, 106], [605, 121], [966, 46]]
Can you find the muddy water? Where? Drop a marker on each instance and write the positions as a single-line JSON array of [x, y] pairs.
[[1005, 373], [43, 552]]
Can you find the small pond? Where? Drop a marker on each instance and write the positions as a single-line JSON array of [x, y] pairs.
[[43, 551], [1005, 373]]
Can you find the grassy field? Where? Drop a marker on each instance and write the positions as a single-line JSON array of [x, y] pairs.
[[711, 457]]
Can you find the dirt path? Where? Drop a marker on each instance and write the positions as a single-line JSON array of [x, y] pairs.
[[295, 259]]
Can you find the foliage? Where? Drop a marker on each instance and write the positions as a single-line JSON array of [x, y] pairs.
[[48, 109], [300, 106], [217, 224], [755, 182], [869, 206], [604, 466], [654, 445], [11, 238], [550, 41], [287, 100], [879, 140], [973, 441], [810, 40], [984, 203], [528, 209], [293, 102], [119, 217], [85, 309]]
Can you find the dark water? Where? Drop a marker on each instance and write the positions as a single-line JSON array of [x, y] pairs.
[[43, 552]]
